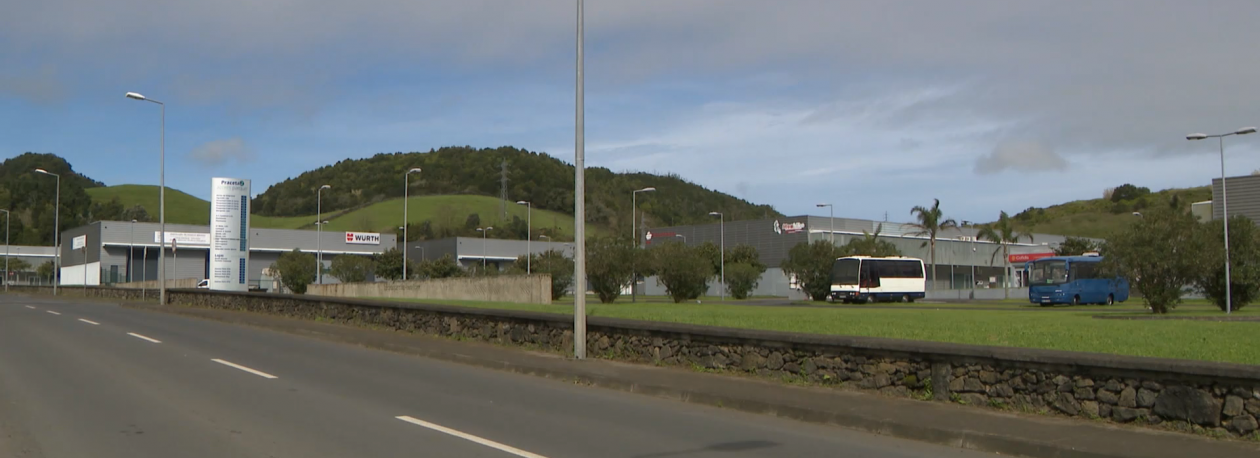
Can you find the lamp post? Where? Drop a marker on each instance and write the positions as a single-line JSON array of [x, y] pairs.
[[161, 201], [832, 218], [634, 208], [131, 256], [483, 231], [406, 203], [319, 232], [56, 229], [973, 260], [722, 249], [579, 201], [6, 250], [529, 233], [1224, 201]]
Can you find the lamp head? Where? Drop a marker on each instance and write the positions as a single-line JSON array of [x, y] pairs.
[[1245, 131], [1196, 136], [135, 95]]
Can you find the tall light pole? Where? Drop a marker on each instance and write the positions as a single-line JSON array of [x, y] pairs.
[[634, 208], [832, 218], [56, 230], [1224, 201], [161, 201], [529, 233], [319, 232], [579, 203], [722, 249], [6, 250], [973, 260], [406, 223], [483, 231]]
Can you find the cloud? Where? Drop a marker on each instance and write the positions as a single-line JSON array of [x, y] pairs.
[[41, 86], [1028, 157], [220, 152]]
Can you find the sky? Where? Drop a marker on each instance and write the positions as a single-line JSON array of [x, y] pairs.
[[873, 106]]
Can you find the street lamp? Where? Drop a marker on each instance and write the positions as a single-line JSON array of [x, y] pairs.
[[832, 212], [319, 230], [483, 231], [56, 230], [1138, 214], [1224, 200], [6, 250], [161, 201], [579, 199], [529, 229], [722, 249], [406, 202], [634, 207]]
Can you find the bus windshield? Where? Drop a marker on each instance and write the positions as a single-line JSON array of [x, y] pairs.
[[1048, 273], [845, 272]]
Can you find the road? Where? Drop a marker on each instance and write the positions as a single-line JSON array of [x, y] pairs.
[[95, 380]]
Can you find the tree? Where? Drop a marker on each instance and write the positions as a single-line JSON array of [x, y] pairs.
[[351, 268], [390, 265], [19, 265], [1003, 233], [1128, 192], [683, 270], [46, 271], [711, 253], [931, 221], [553, 263], [811, 264], [1075, 246], [609, 266], [443, 267], [1157, 254], [743, 270], [1244, 262], [137, 213], [296, 269], [870, 245]]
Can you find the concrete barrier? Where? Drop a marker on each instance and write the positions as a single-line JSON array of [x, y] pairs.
[[1218, 398], [529, 289]]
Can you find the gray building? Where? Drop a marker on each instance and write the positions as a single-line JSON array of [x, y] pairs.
[[1243, 194], [468, 251], [33, 256], [119, 252]]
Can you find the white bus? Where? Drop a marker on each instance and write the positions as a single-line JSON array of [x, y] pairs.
[[867, 279]]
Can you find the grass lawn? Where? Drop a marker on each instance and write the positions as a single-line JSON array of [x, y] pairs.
[[1061, 330], [181, 208]]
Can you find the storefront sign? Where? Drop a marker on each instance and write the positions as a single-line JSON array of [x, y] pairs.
[[1025, 257], [363, 238]]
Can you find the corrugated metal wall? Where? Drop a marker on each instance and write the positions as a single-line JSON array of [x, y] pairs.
[[1244, 197]]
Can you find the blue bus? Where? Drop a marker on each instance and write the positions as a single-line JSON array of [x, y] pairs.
[[1072, 280]]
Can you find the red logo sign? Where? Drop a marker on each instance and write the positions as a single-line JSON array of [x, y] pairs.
[[1015, 258], [349, 236]]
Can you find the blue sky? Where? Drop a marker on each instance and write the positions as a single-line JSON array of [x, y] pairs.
[[873, 106]]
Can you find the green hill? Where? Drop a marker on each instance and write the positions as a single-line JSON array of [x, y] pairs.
[[450, 212], [1100, 217], [531, 176]]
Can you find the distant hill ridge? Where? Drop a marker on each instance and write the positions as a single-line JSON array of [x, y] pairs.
[[1097, 218]]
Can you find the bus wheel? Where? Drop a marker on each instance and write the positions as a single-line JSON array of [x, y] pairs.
[[1111, 300], [905, 298], [1076, 300]]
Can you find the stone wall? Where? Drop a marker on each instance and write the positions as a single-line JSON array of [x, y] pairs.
[[153, 284], [528, 289], [104, 292], [1216, 398]]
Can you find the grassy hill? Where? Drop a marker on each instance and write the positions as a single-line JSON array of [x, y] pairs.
[[385, 216], [1099, 217]]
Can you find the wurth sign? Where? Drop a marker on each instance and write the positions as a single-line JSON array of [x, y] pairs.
[[363, 238]]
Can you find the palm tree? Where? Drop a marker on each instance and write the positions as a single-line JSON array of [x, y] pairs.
[[1003, 233], [931, 222]]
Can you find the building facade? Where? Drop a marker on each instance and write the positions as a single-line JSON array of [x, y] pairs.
[[108, 252], [34, 256]]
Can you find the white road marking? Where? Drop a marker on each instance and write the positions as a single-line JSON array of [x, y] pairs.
[[246, 369], [52, 312], [30, 307], [138, 336], [470, 437], [89, 321]]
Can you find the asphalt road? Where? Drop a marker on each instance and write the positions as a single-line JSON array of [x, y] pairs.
[[96, 380]]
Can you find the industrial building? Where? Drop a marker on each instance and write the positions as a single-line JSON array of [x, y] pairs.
[[34, 256], [109, 252]]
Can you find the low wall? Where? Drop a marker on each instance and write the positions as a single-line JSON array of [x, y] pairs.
[[105, 292], [529, 289], [153, 284], [1222, 399]]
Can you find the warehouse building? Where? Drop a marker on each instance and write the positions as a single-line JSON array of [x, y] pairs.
[[32, 256], [111, 252]]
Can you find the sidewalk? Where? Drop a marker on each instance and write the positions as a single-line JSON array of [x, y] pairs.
[[949, 424]]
